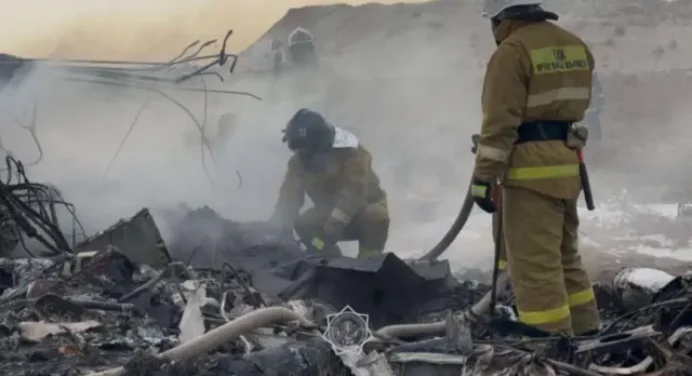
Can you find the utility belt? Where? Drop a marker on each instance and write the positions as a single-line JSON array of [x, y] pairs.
[[574, 137], [543, 131]]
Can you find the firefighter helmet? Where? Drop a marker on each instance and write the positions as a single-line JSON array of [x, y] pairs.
[[492, 8], [308, 131]]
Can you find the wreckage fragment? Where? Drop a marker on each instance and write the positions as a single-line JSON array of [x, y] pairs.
[[395, 290], [636, 287], [645, 364], [137, 238], [36, 331]]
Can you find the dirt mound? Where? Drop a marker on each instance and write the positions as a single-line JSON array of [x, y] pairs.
[[399, 66], [625, 35]]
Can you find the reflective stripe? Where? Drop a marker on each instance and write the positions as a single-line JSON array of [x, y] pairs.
[[317, 243], [340, 216], [478, 190], [543, 172], [562, 94], [581, 297], [544, 317], [495, 154], [501, 264]]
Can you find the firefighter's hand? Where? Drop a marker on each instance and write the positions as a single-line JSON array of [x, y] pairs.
[[321, 242], [482, 193]]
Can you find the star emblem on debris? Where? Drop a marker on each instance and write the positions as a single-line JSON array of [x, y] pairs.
[[347, 331]]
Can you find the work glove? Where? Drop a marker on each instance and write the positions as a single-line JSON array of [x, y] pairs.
[[482, 193], [319, 242]]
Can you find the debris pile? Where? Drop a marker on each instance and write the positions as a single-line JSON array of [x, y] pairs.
[[259, 305], [74, 315]]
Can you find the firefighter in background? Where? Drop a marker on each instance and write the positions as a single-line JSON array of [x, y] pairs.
[[592, 118], [537, 84], [301, 47], [335, 171]]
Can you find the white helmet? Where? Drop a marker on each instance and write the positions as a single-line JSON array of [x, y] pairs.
[[492, 8]]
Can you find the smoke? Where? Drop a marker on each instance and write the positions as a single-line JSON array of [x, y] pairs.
[[81, 126], [414, 105], [406, 79]]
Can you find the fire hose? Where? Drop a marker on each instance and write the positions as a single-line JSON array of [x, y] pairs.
[[459, 222], [242, 325], [485, 304], [412, 330]]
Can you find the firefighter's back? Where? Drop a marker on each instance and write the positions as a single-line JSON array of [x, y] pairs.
[[559, 66]]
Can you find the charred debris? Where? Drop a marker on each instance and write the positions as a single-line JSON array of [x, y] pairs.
[[236, 298]]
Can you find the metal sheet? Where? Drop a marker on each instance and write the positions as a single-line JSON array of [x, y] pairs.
[[137, 238]]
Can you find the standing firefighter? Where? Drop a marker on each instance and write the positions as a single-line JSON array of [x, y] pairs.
[[335, 171], [537, 84]]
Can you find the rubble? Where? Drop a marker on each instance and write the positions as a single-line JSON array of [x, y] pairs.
[[100, 310]]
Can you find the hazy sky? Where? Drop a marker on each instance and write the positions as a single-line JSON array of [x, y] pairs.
[[134, 29]]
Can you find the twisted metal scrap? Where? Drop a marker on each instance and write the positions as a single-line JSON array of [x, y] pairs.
[[31, 209], [147, 76]]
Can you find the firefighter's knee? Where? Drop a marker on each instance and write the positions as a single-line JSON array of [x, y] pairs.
[[374, 228], [308, 223]]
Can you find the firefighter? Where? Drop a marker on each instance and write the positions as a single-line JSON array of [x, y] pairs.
[[301, 47], [537, 84], [335, 171]]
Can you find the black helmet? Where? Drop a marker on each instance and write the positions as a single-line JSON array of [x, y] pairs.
[[307, 131]]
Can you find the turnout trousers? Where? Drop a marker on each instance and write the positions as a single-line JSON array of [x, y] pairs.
[[553, 291], [370, 227]]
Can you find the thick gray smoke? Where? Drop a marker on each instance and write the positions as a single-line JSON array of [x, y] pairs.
[[405, 78], [80, 128]]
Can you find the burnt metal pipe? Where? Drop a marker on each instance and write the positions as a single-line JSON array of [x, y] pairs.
[[242, 325], [427, 329]]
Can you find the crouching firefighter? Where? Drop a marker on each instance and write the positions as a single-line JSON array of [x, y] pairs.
[[537, 85], [335, 171]]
